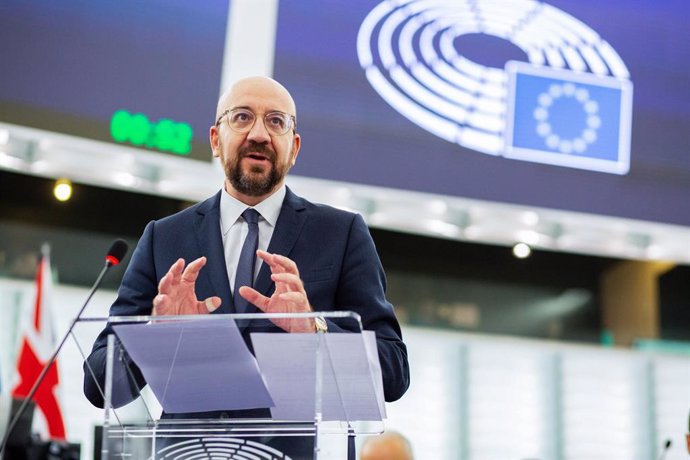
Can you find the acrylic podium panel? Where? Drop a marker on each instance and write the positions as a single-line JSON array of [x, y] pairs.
[[211, 374]]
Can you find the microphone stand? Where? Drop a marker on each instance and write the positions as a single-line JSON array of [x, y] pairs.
[[109, 263]]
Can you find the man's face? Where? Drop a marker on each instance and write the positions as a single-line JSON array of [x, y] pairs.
[[256, 162]]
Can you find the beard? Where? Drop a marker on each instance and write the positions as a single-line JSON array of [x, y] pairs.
[[257, 181]]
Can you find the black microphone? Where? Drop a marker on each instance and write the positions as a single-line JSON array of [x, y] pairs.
[[116, 252], [667, 445], [114, 256]]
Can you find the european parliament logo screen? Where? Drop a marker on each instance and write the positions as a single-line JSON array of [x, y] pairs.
[[568, 105]]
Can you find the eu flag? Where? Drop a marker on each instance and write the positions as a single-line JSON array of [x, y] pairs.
[[567, 118]]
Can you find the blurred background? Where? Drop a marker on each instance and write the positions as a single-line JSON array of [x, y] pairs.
[[532, 219]]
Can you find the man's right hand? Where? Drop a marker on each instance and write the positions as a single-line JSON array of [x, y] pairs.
[[176, 294]]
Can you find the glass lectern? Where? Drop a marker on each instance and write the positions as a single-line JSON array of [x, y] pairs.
[[238, 387]]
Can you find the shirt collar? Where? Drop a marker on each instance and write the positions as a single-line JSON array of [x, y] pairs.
[[231, 208]]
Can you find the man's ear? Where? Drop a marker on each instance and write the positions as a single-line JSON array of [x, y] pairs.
[[214, 139], [296, 144]]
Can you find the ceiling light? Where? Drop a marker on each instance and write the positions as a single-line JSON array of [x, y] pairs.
[[522, 250], [62, 189]]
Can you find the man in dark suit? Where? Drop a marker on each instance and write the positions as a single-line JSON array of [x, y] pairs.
[[310, 257]]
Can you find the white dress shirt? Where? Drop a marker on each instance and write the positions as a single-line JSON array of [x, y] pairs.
[[234, 229]]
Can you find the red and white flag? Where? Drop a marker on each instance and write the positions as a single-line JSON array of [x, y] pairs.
[[38, 345]]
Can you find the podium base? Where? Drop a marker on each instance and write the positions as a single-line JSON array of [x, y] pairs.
[[231, 439]]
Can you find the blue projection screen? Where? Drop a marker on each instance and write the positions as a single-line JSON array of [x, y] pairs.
[[417, 95], [143, 74], [578, 105]]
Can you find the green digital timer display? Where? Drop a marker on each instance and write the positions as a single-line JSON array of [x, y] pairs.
[[164, 134]]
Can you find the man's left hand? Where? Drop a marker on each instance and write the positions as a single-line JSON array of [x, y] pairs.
[[289, 295]]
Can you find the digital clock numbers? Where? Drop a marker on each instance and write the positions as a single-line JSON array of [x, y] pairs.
[[164, 134]]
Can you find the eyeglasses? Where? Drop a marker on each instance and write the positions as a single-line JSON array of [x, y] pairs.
[[242, 121]]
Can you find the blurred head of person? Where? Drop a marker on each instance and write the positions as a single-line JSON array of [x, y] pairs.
[[387, 446]]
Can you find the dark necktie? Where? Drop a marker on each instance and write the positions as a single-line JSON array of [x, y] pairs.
[[245, 266]]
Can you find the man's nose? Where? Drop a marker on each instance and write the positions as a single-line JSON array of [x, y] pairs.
[[259, 133]]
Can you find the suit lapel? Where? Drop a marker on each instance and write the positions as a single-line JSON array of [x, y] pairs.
[[210, 241]]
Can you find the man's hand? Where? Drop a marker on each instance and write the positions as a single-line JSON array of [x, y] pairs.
[[176, 294], [289, 295]]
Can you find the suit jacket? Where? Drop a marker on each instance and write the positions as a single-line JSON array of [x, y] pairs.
[[334, 253]]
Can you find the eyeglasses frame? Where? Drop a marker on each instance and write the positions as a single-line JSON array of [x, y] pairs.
[[292, 117]]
